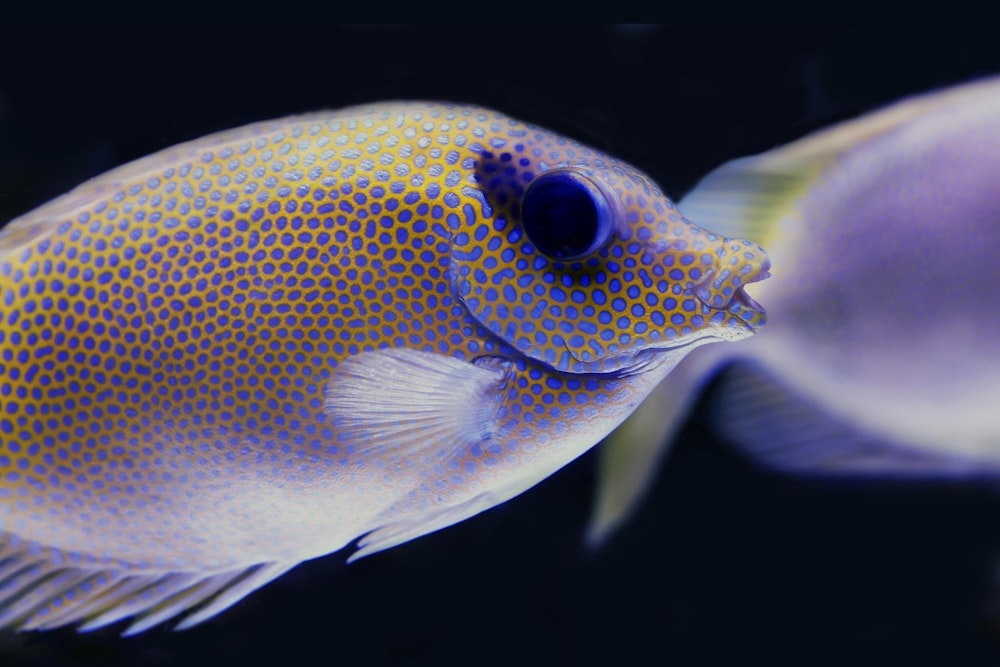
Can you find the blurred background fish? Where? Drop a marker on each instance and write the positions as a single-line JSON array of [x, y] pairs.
[[884, 360], [723, 560]]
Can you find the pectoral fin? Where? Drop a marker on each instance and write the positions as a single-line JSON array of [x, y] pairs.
[[400, 401], [424, 407]]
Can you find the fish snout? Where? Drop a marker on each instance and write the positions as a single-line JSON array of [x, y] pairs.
[[738, 263]]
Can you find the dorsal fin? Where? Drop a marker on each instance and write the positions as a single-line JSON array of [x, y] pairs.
[[750, 196], [44, 221]]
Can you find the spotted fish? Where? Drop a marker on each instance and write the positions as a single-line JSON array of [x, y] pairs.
[[249, 350], [882, 359]]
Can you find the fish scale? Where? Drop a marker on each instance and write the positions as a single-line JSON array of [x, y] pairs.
[[181, 338]]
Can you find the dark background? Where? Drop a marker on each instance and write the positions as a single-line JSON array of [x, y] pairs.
[[724, 563]]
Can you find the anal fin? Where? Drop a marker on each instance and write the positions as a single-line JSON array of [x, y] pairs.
[[237, 589], [40, 591]]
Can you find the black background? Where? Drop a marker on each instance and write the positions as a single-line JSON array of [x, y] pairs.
[[724, 563]]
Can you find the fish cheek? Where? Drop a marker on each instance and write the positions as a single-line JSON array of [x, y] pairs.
[[538, 305]]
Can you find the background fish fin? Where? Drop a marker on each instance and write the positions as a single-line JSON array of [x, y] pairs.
[[632, 454], [43, 588], [403, 402], [827, 143], [420, 524], [780, 430], [749, 197]]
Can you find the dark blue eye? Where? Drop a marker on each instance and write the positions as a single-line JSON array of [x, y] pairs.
[[566, 215]]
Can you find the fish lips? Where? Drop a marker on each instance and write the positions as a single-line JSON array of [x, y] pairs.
[[737, 302]]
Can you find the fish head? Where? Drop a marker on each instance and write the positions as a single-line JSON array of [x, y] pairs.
[[580, 262]]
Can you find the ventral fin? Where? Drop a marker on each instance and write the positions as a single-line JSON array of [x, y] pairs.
[[44, 589], [407, 402], [419, 524], [631, 455], [780, 430]]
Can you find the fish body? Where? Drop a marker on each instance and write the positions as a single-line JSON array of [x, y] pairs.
[[249, 350], [881, 357]]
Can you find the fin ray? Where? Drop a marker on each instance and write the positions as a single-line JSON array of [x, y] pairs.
[[181, 602], [424, 406], [40, 593], [419, 524], [147, 597], [41, 589], [403, 401], [93, 594], [630, 457], [238, 589]]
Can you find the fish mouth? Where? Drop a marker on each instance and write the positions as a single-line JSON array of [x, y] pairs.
[[741, 297], [724, 291]]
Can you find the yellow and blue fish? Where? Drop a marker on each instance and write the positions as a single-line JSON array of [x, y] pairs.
[[249, 350]]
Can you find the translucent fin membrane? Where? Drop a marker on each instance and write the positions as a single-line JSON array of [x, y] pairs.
[[38, 591]]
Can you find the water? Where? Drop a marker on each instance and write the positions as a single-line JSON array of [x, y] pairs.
[[723, 562]]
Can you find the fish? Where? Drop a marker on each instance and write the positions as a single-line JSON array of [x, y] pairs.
[[350, 327], [881, 360]]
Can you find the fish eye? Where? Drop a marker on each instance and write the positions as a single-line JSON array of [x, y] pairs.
[[566, 215]]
